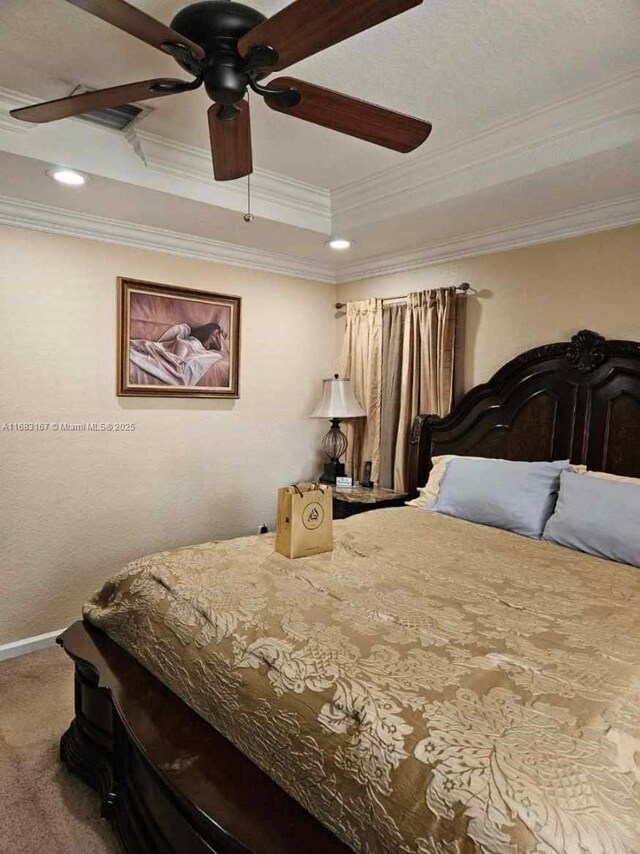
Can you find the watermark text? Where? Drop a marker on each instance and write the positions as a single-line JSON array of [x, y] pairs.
[[68, 427]]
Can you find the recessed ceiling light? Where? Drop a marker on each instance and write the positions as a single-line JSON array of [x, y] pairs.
[[338, 243], [67, 177]]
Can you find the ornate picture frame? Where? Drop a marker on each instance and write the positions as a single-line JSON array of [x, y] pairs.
[[176, 342]]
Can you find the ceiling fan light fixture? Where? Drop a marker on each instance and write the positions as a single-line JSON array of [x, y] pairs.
[[68, 177], [338, 243]]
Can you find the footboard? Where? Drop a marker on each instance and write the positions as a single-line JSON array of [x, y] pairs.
[[168, 781]]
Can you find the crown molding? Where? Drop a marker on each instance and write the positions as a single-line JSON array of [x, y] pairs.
[[187, 161], [10, 100], [25, 214], [602, 118], [155, 162], [598, 119], [581, 220]]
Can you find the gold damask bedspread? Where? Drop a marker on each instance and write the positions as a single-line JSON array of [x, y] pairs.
[[432, 686]]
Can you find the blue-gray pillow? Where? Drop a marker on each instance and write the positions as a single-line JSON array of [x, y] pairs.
[[516, 496], [598, 516]]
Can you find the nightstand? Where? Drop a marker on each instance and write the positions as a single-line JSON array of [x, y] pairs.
[[358, 499]]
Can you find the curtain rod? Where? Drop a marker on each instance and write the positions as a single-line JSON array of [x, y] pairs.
[[463, 288]]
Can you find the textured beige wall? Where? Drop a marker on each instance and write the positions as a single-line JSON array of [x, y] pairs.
[[74, 506], [530, 296]]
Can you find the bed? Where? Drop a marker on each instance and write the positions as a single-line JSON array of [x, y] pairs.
[[430, 687]]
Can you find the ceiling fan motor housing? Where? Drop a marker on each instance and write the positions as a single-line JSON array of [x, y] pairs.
[[216, 25]]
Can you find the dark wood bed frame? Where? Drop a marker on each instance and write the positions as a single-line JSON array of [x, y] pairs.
[[169, 783], [577, 400]]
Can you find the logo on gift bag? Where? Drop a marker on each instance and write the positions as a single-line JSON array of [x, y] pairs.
[[312, 516]]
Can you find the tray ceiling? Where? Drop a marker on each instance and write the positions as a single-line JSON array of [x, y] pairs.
[[534, 106]]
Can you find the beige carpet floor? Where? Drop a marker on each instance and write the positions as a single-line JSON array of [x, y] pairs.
[[43, 808]]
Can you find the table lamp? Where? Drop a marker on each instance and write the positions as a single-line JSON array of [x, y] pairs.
[[338, 402]]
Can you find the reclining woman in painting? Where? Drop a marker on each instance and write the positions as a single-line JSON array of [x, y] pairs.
[[181, 356]]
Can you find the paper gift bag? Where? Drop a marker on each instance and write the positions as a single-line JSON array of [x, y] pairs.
[[305, 520]]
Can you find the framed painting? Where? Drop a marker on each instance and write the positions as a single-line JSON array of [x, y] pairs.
[[177, 342]]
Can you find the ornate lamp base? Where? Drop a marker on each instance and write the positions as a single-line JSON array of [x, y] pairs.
[[334, 444]]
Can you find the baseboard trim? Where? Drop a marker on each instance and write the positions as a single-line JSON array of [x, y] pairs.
[[22, 647]]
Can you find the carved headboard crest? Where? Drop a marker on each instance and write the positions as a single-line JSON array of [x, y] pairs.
[[578, 399], [586, 351]]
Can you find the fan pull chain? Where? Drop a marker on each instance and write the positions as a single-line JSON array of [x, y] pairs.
[[248, 216]]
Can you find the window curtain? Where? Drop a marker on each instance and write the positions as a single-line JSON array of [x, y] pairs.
[[400, 359], [362, 364], [393, 323], [427, 365]]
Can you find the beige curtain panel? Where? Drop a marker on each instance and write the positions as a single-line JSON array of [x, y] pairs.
[[362, 364], [427, 365], [393, 322], [400, 359]]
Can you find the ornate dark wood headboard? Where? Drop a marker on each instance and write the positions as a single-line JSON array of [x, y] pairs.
[[578, 400]]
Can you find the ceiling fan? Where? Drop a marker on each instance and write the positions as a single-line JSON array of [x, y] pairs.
[[231, 47]]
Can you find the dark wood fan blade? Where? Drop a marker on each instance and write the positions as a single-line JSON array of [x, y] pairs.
[[137, 23], [307, 26], [230, 132], [351, 116], [102, 99]]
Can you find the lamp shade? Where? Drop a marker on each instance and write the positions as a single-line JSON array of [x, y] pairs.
[[338, 400]]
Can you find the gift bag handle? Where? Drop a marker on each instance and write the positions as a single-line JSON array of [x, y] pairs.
[[316, 485]]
